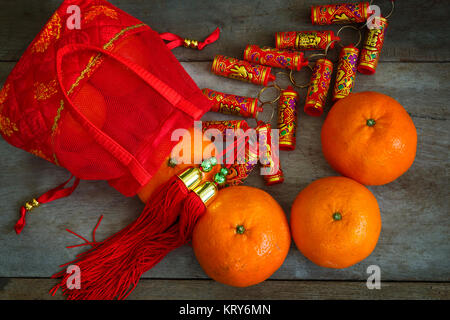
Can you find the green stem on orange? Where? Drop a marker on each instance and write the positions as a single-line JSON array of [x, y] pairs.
[[370, 122], [240, 229], [337, 216]]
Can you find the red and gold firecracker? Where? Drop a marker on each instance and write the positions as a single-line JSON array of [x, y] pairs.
[[346, 72], [370, 53], [223, 125], [268, 156], [340, 13], [273, 57], [305, 40], [318, 87], [287, 118], [246, 107], [242, 70]]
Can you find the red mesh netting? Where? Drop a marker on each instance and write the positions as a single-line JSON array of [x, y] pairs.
[[101, 101]]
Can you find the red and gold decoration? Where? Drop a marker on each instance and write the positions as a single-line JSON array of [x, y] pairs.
[[370, 53], [346, 72], [318, 87], [269, 159], [287, 118], [342, 13], [223, 125], [240, 170], [242, 70], [305, 40], [225, 103], [273, 57]]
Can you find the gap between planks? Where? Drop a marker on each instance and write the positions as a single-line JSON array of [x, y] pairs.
[[165, 289]]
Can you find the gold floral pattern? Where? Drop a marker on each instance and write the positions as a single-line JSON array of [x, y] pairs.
[[95, 11], [4, 93], [43, 91], [51, 32], [7, 127], [40, 154]]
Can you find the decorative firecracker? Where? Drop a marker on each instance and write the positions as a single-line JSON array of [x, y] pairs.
[[342, 13], [272, 57], [318, 87], [305, 40], [345, 72], [242, 70], [371, 50], [287, 118], [225, 103]]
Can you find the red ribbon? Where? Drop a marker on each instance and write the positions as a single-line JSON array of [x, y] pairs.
[[177, 41], [51, 195]]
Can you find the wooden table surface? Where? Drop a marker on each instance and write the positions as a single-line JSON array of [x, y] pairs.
[[413, 251]]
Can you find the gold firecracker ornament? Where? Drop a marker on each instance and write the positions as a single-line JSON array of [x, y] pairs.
[[370, 53], [287, 118], [305, 40], [318, 87], [346, 72]]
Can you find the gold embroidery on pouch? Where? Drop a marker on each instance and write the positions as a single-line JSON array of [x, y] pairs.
[[7, 127], [43, 91], [40, 154], [51, 32], [95, 11]]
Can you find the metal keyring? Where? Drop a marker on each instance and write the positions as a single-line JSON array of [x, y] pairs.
[[324, 54], [271, 115], [351, 27], [294, 83], [264, 89]]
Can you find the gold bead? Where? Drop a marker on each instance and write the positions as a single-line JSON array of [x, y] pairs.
[[189, 43], [30, 205]]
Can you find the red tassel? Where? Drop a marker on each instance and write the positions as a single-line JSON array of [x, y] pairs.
[[193, 209], [111, 270]]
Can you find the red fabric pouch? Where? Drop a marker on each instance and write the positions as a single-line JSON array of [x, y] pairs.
[[101, 101]]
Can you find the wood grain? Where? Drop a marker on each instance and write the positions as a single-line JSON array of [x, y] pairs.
[[154, 289], [418, 30], [414, 240], [414, 243]]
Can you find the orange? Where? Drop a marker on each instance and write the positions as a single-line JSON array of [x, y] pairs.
[[243, 238], [166, 171], [370, 138], [335, 222]]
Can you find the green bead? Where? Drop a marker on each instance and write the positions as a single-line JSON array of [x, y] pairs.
[[213, 161], [172, 163], [206, 166], [219, 178], [224, 171]]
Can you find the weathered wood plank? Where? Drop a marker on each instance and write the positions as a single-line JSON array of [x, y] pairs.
[[153, 289], [417, 31], [414, 240]]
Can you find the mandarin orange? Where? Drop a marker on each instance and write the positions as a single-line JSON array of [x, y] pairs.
[[243, 238], [369, 137], [335, 222]]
